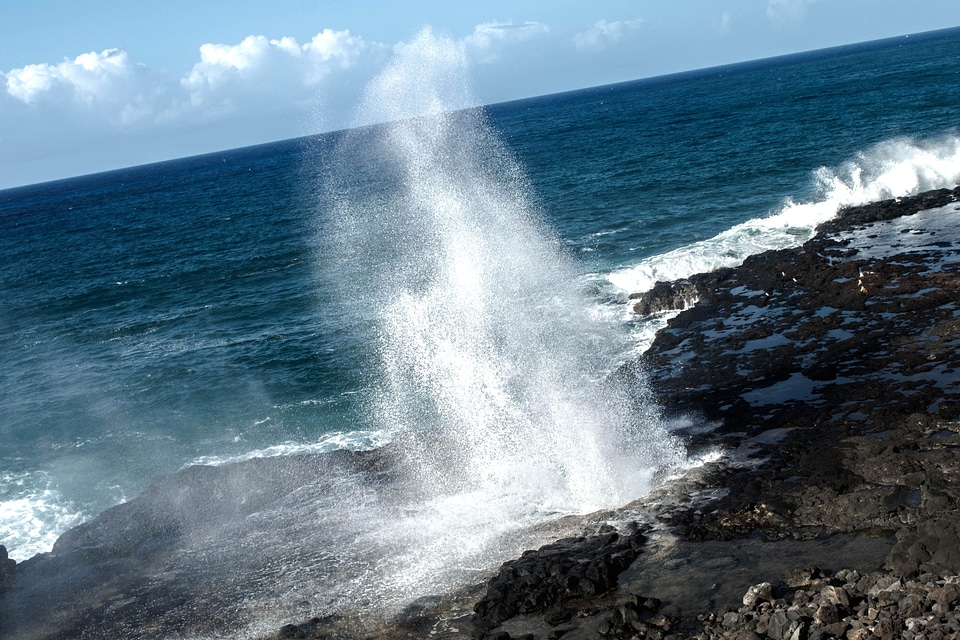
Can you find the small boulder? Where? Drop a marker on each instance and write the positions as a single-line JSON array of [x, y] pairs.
[[802, 576], [762, 592]]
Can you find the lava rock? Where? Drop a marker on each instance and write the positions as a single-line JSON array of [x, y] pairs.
[[931, 546], [666, 296], [543, 579], [879, 605], [850, 217], [8, 567]]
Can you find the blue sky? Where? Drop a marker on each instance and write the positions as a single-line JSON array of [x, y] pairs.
[[92, 86]]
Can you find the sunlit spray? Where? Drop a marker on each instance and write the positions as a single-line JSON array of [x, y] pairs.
[[493, 370]]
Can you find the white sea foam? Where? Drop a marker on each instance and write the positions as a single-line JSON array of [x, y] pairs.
[[891, 169], [358, 440], [31, 521]]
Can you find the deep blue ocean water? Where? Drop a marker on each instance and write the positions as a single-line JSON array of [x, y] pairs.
[[246, 302]]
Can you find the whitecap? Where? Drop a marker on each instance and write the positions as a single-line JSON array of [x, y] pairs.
[[890, 169]]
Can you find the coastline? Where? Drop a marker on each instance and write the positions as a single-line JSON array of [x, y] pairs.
[[828, 375]]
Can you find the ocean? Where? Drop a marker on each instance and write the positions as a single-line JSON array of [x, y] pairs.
[[456, 281]]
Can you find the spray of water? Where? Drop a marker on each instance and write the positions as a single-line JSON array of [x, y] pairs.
[[493, 369], [889, 169]]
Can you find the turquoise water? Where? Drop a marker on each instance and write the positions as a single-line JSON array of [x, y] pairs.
[[246, 303]]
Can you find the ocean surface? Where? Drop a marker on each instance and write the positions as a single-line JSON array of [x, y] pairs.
[[460, 274]]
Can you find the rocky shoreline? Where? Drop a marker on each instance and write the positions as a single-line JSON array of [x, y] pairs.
[[830, 377], [820, 385]]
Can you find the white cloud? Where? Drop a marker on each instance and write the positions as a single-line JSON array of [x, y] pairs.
[[105, 87], [109, 87], [26, 83], [253, 91], [257, 76], [724, 24], [785, 12], [216, 80], [109, 106], [341, 46], [489, 40], [88, 77], [270, 69], [604, 33]]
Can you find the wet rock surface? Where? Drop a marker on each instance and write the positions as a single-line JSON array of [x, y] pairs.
[[820, 384], [666, 296], [541, 581], [829, 380], [8, 567], [187, 557], [832, 372]]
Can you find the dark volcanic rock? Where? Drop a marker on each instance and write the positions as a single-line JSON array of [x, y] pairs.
[[665, 296], [826, 376], [832, 372], [8, 567], [568, 569], [878, 605], [931, 547], [190, 556], [829, 376], [851, 217]]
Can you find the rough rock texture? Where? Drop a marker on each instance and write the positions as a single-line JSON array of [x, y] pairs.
[[566, 570], [8, 567], [822, 386], [829, 376], [188, 556], [665, 296], [834, 369], [879, 605]]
